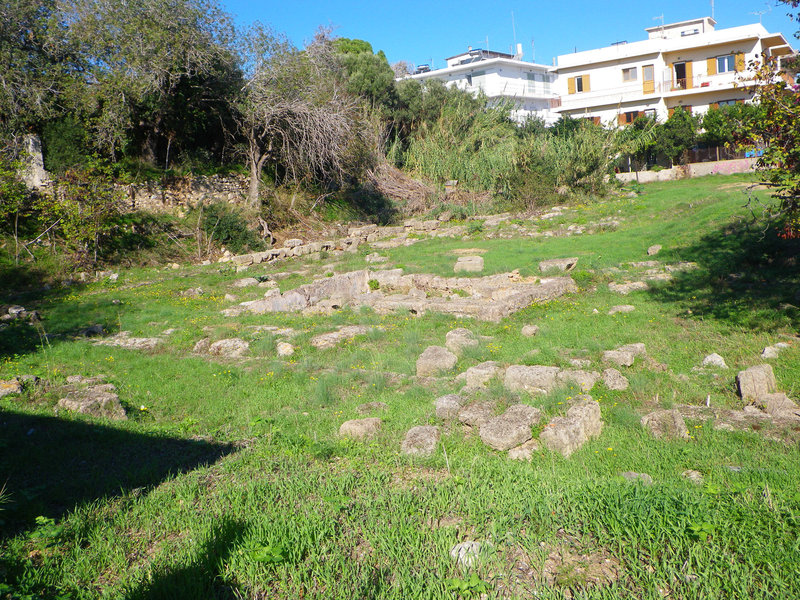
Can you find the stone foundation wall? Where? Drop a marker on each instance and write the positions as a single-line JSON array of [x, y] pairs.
[[719, 167], [176, 194]]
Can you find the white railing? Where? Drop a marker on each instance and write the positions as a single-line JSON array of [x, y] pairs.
[[636, 90]]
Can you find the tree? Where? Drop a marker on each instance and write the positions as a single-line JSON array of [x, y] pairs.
[[84, 204], [677, 135], [293, 111], [777, 133], [368, 75], [146, 60], [14, 199], [37, 64]]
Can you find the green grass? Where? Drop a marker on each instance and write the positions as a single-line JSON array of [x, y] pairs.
[[229, 480]]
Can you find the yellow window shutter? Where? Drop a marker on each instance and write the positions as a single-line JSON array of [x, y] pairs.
[[571, 85], [586, 87], [711, 66], [739, 62], [688, 75]]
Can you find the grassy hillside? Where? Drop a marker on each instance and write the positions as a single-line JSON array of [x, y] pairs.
[[229, 480]]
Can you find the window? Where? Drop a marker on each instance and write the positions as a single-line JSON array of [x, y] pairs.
[[630, 117], [726, 103], [629, 74], [578, 84], [726, 64], [650, 113], [476, 79]]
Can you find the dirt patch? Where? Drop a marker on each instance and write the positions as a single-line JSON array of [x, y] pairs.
[[410, 478], [743, 184], [469, 251], [569, 565]]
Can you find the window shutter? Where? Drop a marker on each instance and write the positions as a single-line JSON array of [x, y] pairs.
[[711, 66], [641, 114], [596, 120], [670, 112], [586, 87], [621, 119], [688, 75], [714, 105], [671, 67], [739, 62], [740, 101], [571, 85]]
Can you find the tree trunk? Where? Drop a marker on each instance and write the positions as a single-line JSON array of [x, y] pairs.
[[256, 160]]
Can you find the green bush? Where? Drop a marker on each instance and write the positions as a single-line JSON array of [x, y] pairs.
[[64, 145], [226, 226]]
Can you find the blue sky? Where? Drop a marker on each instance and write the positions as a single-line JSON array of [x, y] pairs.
[[421, 32]]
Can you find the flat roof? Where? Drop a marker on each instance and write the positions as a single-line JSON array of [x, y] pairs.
[[492, 53], [680, 24]]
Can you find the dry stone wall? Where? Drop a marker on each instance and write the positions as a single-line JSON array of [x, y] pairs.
[[176, 194]]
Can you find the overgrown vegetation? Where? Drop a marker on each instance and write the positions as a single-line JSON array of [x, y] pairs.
[[229, 479]]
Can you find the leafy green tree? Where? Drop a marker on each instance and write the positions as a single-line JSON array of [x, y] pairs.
[[721, 124], [677, 134], [14, 200], [368, 75], [82, 207], [776, 133], [37, 64], [146, 60]]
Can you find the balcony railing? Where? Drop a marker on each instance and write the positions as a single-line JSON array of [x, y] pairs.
[[643, 89]]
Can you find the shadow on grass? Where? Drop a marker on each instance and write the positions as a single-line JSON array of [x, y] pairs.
[[58, 320], [202, 578], [50, 466], [747, 277]]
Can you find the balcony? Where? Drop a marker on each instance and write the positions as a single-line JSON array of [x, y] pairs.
[[640, 91]]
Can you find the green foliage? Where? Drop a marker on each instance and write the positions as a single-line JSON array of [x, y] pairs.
[[473, 144], [37, 62], [83, 206], [64, 145], [374, 284], [14, 195], [722, 125], [227, 226], [471, 587], [677, 135], [776, 134], [352, 46], [551, 163]]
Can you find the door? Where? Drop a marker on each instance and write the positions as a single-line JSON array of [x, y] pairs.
[[648, 79], [679, 76]]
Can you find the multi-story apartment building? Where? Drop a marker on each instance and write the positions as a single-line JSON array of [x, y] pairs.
[[501, 76], [688, 64]]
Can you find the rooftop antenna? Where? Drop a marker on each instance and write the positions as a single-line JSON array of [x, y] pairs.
[[761, 13], [712, 9], [514, 29], [533, 50], [661, 17]]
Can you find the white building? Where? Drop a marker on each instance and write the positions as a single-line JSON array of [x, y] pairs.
[[501, 76], [688, 64]]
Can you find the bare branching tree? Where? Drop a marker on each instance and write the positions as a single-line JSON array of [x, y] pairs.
[[293, 110]]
